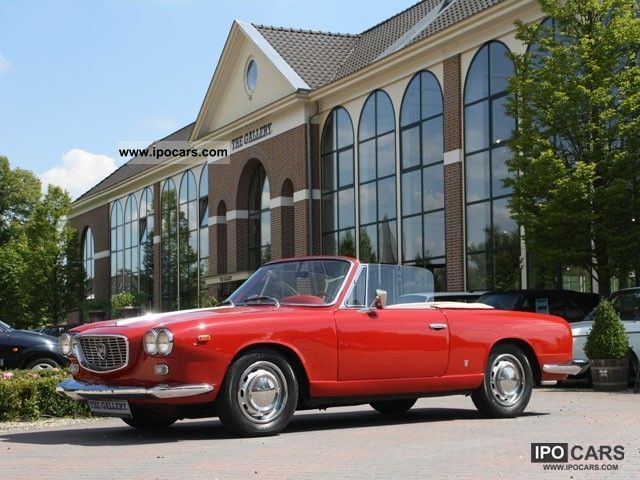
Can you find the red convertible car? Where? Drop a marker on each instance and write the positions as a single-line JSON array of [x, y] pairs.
[[313, 333]]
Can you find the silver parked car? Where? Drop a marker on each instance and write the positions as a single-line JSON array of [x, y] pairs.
[[627, 304]]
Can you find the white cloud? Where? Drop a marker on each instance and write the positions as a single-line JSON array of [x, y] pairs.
[[4, 64], [79, 171]]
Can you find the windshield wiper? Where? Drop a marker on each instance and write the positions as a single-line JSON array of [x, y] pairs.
[[260, 298]]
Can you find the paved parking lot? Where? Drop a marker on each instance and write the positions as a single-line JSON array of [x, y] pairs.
[[439, 438]]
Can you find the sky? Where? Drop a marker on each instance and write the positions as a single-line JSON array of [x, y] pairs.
[[80, 78]]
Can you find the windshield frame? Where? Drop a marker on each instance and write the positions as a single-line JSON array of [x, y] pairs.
[[4, 327], [339, 295]]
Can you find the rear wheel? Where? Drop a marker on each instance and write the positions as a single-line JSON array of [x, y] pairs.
[[144, 419], [43, 364], [393, 407], [259, 394], [507, 385]]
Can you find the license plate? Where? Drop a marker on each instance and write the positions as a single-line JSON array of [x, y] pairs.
[[110, 408]]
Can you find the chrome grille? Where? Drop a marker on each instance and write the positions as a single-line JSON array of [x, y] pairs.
[[103, 353]]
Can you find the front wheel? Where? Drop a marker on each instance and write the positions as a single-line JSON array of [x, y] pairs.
[[393, 407], [507, 385], [259, 394]]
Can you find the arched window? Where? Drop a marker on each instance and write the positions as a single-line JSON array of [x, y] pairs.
[[259, 219], [131, 244], [146, 231], [88, 261], [422, 164], [377, 180], [492, 236], [204, 232], [169, 244], [117, 248], [338, 201], [188, 224]]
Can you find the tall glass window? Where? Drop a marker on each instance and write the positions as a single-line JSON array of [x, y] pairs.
[[88, 261], [422, 181], [131, 244], [377, 180], [169, 246], [145, 234], [259, 219], [117, 248], [188, 225], [492, 236], [338, 201], [204, 232]]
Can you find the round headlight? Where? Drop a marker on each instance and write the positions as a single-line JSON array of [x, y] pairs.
[[64, 343], [164, 342], [150, 344]]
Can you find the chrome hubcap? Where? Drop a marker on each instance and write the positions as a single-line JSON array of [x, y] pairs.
[[43, 366], [507, 379], [262, 392]]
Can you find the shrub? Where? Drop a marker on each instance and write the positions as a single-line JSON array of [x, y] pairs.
[[209, 301], [31, 394], [608, 338], [124, 299]]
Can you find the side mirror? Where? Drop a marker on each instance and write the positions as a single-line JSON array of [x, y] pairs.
[[381, 299]]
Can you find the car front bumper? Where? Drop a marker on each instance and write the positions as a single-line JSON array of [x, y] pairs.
[[83, 391], [572, 368]]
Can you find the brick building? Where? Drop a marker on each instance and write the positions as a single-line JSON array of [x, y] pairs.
[[388, 145]]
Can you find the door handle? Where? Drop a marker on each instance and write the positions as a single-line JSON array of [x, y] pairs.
[[437, 326]]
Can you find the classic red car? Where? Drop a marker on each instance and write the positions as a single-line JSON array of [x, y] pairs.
[[313, 333]]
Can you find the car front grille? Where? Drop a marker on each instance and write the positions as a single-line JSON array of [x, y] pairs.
[[103, 353]]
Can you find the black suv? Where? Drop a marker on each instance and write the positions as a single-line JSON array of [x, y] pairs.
[[568, 304], [24, 349]]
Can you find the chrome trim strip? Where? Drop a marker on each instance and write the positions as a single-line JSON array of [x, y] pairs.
[[81, 390], [563, 368], [82, 360]]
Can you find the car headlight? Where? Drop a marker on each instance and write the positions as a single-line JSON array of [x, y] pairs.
[[158, 342], [65, 344], [150, 344], [164, 342]]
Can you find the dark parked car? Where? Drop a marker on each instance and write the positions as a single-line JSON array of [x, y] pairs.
[[568, 304], [25, 349], [53, 330]]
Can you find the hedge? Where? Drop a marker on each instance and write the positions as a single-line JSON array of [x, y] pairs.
[[31, 394]]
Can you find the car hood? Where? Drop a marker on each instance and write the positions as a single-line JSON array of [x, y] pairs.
[[25, 338], [185, 318]]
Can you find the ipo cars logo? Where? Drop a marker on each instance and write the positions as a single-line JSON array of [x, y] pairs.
[[563, 452]]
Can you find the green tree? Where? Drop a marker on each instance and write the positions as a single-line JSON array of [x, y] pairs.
[[576, 95], [55, 278], [19, 193]]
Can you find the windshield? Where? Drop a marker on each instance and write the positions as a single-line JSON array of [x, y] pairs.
[[304, 282], [627, 304], [4, 326]]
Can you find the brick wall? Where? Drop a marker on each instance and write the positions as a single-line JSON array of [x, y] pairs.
[[453, 182]]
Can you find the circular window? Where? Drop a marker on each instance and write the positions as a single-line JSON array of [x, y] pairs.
[[251, 77]]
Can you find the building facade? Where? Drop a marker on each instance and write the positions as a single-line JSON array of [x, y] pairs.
[[388, 145]]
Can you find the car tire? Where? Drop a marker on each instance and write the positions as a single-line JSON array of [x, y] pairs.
[[43, 363], [143, 419], [393, 407], [507, 384], [259, 395]]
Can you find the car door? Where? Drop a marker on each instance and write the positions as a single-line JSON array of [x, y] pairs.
[[390, 343]]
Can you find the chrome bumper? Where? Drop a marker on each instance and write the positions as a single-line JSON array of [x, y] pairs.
[[82, 391], [573, 368]]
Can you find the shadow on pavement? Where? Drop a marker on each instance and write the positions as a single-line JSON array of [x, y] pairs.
[[213, 430]]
